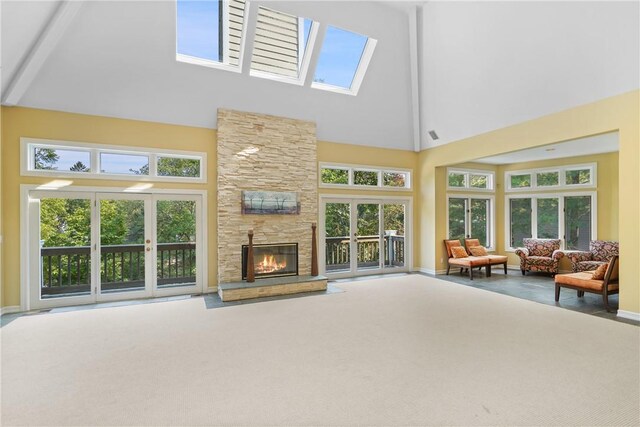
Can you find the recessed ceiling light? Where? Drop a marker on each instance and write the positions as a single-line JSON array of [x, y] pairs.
[[550, 149]]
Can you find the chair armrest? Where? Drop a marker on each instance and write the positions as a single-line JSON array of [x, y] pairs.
[[578, 256], [557, 254], [522, 252]]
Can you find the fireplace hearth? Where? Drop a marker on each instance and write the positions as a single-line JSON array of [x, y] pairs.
[[271, 260]]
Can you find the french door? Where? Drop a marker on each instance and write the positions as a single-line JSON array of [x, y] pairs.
[[90, 247], [364, 236]]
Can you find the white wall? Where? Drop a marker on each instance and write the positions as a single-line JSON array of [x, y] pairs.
[[488, 65]]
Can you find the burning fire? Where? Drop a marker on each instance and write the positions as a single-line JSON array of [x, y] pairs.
[[269, 264]]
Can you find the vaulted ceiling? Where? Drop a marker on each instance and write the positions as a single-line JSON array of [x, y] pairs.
[[459, 68]]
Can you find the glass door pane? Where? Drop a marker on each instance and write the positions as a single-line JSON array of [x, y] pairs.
[[548, 218], [337, 237], [176, 243], [480, 221], [394, 235], [457, 218], [368, 236], [65, 247], [577, 222], [122, 245], [520, 218]]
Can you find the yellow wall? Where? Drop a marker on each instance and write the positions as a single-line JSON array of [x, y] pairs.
[[24, 122], [607, 198], [619, 113]]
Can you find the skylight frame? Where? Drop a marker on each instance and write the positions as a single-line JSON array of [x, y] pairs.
[[220, 65], [304, 62], [363, 65]]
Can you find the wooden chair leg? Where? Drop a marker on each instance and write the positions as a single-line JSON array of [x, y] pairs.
[[605, 300], [505, 268], [557, 292], [448, 268], [470, 273], [522, 272]]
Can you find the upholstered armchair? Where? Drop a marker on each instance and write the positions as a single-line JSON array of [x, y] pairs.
[[600, 252], [540, 255]]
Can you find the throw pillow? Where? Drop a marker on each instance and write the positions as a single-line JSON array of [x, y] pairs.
[[459, 252], [599, 272], [478, 251]]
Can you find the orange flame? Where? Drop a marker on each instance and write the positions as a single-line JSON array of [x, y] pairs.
[[270, 264]]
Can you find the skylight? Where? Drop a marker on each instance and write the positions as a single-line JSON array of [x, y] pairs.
[[343, 61], [282, 46], [209, 32]]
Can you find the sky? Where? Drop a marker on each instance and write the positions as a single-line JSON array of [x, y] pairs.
[[197, 35], [110, 163]]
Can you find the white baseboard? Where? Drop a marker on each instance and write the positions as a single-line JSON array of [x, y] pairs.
[[9, 309], [629, 315]]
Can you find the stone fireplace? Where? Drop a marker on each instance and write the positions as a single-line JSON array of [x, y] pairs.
[[259, 152], [271, 260]]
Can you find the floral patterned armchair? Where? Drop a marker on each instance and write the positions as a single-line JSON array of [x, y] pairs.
[[540, 255], [600, 252]]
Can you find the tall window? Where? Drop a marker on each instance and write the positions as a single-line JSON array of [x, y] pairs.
[[568, 217], [471, 217]]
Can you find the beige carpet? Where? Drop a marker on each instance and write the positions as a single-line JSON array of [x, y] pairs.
[[407, 350]]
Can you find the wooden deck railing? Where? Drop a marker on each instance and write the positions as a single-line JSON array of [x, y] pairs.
[[337, 252], [66, 270]]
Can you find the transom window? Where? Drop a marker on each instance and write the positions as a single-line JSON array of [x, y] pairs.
[[470, 179], [76, 159], [333, 175], [570, 217], [552, 178]]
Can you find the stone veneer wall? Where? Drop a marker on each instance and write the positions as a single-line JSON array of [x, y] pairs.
[[261, 152]]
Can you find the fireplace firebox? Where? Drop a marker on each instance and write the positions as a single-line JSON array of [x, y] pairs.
[[271, 260]]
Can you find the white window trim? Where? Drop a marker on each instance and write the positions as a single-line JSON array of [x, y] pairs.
[[534, 214], [491, 220], [351, 168], [194, 60], [305, 60], [491, 179], [562, 185], [363, 65], [27, 167]]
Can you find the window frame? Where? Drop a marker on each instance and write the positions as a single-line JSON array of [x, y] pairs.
[[305, 60], [561, 214], [219, 65], [562, 184], [27, 158], [358, 77], [352, 168], [491, 179], [491, 220]]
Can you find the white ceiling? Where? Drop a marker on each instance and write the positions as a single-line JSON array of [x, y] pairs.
[[117, 58], [597, 144], [480, 65], [487, 65]]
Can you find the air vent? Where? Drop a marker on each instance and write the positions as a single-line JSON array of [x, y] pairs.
[[433, 135]]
